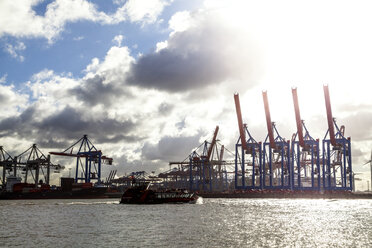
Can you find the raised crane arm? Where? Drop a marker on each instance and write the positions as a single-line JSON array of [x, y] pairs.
[[298, 117], [268, 120], [331, 129], [212, 143], [240, 121]]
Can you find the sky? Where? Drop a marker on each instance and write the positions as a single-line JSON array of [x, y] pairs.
[[149, 80]]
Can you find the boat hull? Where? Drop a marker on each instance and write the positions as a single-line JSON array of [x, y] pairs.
[[151, 197]]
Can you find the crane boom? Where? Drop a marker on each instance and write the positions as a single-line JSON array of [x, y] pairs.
[[212, 143], [221, 152], [329, 115], [268, 120], [298, 117], [240, 121]]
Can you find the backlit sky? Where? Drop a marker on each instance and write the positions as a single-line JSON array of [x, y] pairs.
[[149, 80]]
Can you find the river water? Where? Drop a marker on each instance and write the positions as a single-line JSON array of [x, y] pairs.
[[209, 223]]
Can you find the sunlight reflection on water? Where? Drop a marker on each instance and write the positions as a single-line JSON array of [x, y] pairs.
[[210, 223]]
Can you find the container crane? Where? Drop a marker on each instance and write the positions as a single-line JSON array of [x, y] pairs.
[[32, 162], [337, 164], [203, 169], [304, 155], [247, 156], [6, 162], [276, 155], [88, 160]]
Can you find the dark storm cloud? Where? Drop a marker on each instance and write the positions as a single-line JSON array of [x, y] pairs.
[[95, 91], [70, 123], [200, 56], [17, 124], [64, 127], [171, 148]]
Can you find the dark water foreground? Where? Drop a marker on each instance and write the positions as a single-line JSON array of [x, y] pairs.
[[210, 223]]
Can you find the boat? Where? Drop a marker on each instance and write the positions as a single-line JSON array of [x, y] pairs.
[[140, 193]]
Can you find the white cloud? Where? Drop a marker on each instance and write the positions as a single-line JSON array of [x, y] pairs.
[[11, 101], [118, 39], [3, 78], [20, 20], [180, 21], [78, 38], [14, 50], [145, 11], [161, 45]]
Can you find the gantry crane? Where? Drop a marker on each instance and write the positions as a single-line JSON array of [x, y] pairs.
[[247, 155], [33, 161], [276, 155], [6, 163], [337, 167], [203, 170], [88, 160], [305, 173]]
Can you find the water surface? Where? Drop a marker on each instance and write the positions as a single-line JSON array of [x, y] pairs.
[[210, 223]]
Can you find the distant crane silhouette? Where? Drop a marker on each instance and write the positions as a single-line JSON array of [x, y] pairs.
[[370, 163]]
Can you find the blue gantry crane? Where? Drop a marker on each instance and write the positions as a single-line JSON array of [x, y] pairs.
[[88, 160], [248, 155], [337, 167], [276, 155], [304, 154]]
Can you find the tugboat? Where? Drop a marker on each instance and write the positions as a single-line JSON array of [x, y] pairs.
[[139, 193]]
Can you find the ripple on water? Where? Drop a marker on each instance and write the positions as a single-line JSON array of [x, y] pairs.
[[210, 223]]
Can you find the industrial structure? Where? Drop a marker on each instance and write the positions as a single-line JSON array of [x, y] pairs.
[[299, 164], [88, 160], [6, 164], [31, 166], [305, 154], [248, 156], [274, 165], [204, 170], [280, 164]]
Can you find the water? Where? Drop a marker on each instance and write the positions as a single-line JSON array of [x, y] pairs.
[[211, 223]]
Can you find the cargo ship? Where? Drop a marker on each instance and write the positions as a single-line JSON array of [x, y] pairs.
[[140, 193], [16, 190]]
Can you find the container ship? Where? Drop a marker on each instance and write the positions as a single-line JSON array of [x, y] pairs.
[[68, 190]]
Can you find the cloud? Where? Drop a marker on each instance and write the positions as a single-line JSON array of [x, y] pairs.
[[10, 100], [93, 91], [358, 125], [207, 53], [118, 39], [18, 19], [171, 148], [66, 125], [104, 82], [142, 11], [3, 78], [14, 50], [78, 38]]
